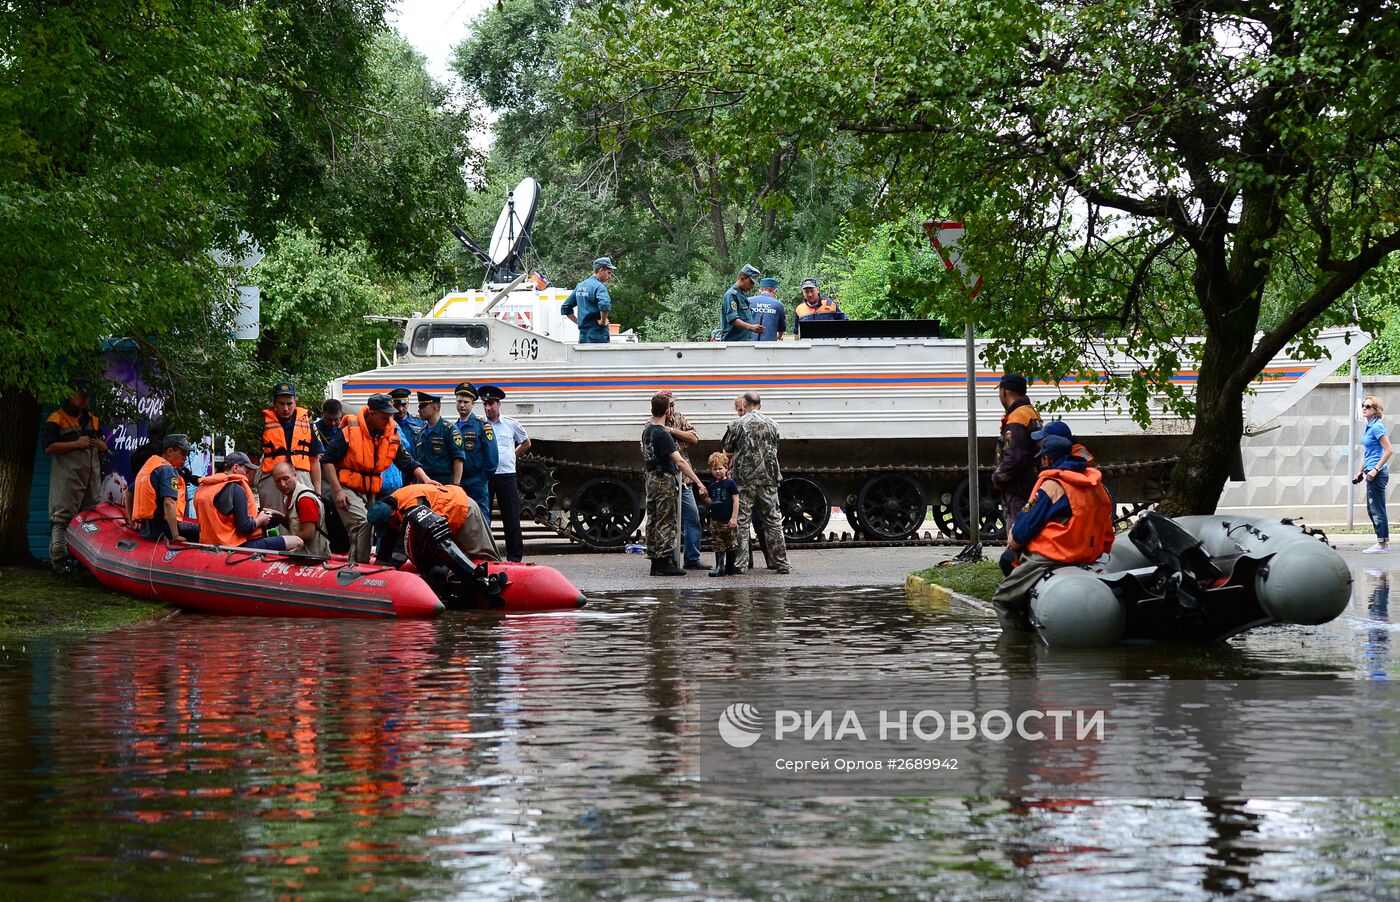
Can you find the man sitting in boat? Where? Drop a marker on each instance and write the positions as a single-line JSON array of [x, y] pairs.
[[464, 518], [306, 511], [227, 510], [1068, 521], [158, 493]]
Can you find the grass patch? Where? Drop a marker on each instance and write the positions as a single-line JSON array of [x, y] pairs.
[[34, 601], [978, 580]]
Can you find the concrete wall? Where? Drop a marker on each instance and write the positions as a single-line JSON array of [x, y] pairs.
[[1300, 469]]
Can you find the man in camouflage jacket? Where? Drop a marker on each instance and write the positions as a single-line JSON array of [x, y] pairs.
[[752, 442]]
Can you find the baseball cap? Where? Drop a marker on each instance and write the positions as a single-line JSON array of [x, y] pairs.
[[750, 270], [380, 404], [810, 283], [1058, 427], [1013, 382], [377, 514], [237, 457], [1056, 447], [603, 263], [177, 440], [284, 388]]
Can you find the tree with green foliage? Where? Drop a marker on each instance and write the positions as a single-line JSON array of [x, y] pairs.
[[137, 138], [1131, 169], [668, 208]]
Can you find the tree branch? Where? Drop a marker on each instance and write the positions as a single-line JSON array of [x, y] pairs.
[[1275, 340]]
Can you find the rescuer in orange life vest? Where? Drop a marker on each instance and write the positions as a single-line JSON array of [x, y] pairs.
[[158, 493], [464, 518], [1068, 521], [288, 435], [229, 515], [353, 465]]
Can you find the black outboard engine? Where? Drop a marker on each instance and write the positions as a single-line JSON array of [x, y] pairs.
[[1184, 571], [451, 574]]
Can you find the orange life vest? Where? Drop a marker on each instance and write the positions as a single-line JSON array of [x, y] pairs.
[[823, 305], [366, 456], [274, 445], [143, 503], [449, 501], [1088, 534], [216, 527]]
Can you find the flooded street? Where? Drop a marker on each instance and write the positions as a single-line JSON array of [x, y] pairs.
[[548, 756]]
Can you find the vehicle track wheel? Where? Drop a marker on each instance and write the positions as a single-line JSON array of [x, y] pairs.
[[943, 519], [605, 512], [805, 507], [891, 506], [537, 487], [991, 524]]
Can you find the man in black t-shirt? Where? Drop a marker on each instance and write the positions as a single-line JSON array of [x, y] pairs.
[[663, 464]]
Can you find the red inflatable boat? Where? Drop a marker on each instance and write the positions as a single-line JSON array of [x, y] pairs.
[[220, 580]]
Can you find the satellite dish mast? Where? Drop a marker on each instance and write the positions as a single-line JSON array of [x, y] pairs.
[[513, 231]]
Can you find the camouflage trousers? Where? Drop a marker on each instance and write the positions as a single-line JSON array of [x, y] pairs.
[[663, 514], [723, 536], [1012, 597], [764, 500]]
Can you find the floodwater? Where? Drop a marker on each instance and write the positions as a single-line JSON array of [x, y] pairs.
[[545, 756]]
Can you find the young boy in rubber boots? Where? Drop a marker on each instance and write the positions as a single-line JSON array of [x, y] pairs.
[[723, 515]]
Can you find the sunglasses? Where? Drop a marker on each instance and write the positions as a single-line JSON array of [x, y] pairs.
[[1368, 407]]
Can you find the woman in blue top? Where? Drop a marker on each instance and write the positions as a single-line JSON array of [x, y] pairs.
[[1376, 450]]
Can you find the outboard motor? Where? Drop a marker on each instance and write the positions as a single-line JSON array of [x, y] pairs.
[[451, 574], [1184, 570]]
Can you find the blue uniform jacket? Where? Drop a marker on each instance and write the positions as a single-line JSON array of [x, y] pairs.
[[436, 447], [479, 448], [771, 314], [589, 297], [736, 306]]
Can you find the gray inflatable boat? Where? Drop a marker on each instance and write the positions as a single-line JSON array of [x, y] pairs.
[[1193, 579]]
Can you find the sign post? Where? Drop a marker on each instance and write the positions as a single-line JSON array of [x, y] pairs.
[[947, 240]]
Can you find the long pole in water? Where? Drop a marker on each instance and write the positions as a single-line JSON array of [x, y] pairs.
[[1354, 404], [974, 500]]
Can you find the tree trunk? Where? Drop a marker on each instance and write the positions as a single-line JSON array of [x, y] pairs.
[[1200, 474], [21, 410]]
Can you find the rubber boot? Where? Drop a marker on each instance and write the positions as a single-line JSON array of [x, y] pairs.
[[719, 569], [665, 567], [730, 557]]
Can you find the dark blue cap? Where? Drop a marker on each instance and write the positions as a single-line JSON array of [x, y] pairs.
[[1056, 447], [426, 398], [1058, 427], [491, 393], [284, 388], [380, 404], [768, 283], [400, 394], [377, 514], [465, 390], [1013, 382]]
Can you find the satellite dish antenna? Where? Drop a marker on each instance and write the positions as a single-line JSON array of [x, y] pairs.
[[513, 228]]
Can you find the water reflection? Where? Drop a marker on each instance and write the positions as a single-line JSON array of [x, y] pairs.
[[548, 755], [1377, 653]]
